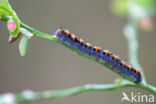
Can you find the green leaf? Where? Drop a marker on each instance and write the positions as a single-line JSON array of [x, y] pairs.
[[4, 3], [4, 8], [23, 45], [5, 11], [15, 33]]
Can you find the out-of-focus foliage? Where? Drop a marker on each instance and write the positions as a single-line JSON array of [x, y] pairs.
[[140, 8], [119, 7], [4, 3], [4, 8], [148, 6]]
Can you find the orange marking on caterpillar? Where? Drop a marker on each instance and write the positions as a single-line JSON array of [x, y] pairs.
[[123, 64], [88, 45], [137, 71], [106, 52], [81, 41], [73, 37], [115, 58], [129, 67]]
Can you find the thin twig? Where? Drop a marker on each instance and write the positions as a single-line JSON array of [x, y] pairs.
[[131, 34]]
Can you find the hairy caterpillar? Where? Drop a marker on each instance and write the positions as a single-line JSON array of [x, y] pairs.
[[99, 54]]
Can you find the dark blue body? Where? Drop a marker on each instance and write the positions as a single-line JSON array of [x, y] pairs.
[[115, 64]]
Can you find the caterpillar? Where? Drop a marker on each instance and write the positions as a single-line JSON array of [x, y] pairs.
[[105, 56]]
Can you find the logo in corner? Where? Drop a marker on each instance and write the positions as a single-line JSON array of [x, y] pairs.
[[137, 97], [125, 97]]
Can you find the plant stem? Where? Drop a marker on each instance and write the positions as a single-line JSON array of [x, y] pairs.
[[33, 96], [133, 53], [131, 33]]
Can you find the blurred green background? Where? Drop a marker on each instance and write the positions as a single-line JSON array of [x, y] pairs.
[[48, 65]]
